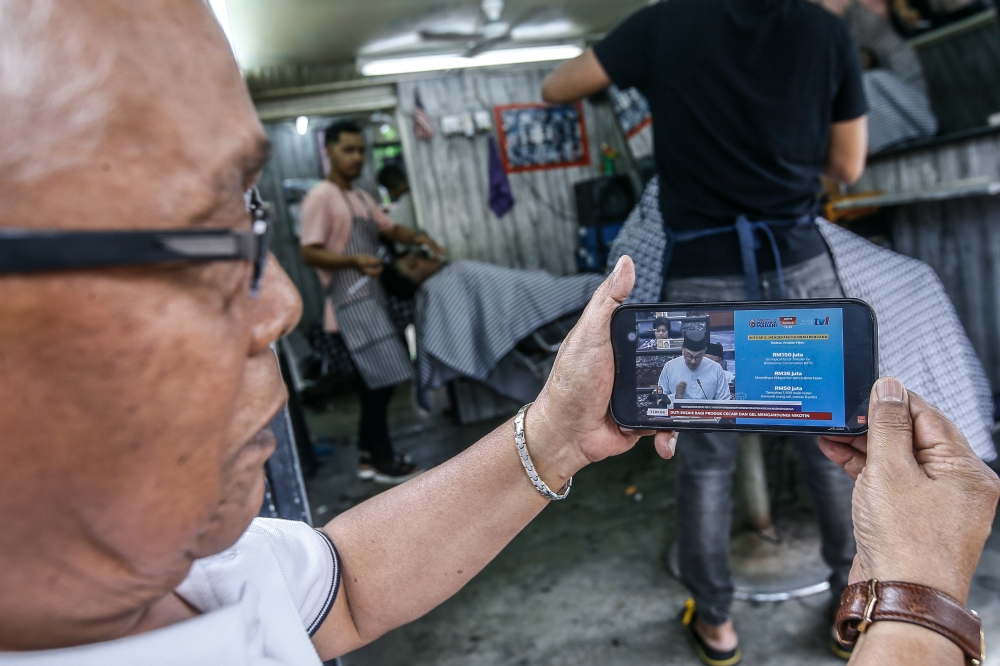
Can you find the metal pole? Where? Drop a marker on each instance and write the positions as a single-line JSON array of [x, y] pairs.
[[752, 480], [764, 567]]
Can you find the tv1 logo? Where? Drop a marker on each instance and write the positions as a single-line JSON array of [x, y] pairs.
[[789, 322]]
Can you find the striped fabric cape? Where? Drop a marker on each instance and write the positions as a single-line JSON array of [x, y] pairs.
[[921, 340], [470, 315]]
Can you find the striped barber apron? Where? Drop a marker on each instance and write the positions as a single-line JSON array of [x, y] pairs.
[[375, 346]]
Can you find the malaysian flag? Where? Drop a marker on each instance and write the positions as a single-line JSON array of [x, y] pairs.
[[422, 124]]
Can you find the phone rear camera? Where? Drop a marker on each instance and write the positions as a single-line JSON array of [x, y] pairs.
[[631, 337]]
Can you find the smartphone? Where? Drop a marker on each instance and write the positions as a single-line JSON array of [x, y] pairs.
[[757, 366]]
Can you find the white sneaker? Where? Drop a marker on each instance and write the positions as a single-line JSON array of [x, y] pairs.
[[401, 472]]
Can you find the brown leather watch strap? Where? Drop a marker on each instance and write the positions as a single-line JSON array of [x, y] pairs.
[[872, 601]]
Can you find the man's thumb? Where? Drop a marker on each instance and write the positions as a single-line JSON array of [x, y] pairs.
[[890, 427], [612, 292], [619, 283]]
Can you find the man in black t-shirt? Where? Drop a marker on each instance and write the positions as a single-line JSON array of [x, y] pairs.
[[752, 101]]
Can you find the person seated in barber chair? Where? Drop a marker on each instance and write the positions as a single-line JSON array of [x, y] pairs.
[[406, 273], [496, 325]]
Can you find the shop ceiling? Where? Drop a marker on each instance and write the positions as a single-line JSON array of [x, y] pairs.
[[266, 32]]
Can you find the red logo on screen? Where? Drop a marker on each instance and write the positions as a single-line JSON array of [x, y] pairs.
[[788, 321], [862, 420]]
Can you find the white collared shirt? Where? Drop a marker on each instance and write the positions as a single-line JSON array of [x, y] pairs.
[[261, 600]]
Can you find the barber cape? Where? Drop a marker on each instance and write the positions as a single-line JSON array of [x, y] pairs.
[[921, 341], [471, 315], [260, 600]]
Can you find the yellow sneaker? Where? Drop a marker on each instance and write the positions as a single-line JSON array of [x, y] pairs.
[[706, 654]]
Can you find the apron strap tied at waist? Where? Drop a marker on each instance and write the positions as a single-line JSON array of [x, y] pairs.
[[749, 244]]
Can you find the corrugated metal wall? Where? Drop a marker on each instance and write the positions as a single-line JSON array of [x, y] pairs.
[[959, 238], [448, 175], [292, 156]]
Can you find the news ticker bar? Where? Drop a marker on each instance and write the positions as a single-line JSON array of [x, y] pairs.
[[740, 414]]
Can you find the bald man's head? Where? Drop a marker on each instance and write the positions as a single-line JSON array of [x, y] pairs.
[[134, 401], [104, 93]]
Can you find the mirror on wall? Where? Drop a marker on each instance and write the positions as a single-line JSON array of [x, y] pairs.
[[932, 67]]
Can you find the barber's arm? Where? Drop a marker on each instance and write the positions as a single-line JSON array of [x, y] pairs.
[[848, 147], [623, 57], [405, 551], [402, 234], [318, 256], [575, 79], [923, 507], [848, 150]]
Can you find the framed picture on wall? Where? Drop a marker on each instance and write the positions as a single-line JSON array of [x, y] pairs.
[[632, 110], [541, 136]]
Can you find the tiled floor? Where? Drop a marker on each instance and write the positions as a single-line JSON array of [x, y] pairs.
[[584, 584]]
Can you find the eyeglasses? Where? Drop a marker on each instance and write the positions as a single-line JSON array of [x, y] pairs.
[[24, 251]]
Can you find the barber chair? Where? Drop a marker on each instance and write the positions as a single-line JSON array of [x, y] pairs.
[[766, 565], [529, 363]]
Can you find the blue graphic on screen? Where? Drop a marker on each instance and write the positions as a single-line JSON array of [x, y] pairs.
[[791, 362]]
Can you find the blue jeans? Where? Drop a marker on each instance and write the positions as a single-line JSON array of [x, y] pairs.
[[707, 461]]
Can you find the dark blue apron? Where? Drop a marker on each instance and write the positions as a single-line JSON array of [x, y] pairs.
[[749, 244]]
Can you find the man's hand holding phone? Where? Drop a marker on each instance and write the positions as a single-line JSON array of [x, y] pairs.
[[924, 501], [923, 507], [798, 366], [585, 364]]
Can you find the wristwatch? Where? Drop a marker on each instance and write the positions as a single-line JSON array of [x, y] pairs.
[[872, 601]]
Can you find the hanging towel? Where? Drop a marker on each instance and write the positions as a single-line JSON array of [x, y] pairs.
[[501, 199]]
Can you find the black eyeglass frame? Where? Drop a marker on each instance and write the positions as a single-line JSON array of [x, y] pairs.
[[24, 251]]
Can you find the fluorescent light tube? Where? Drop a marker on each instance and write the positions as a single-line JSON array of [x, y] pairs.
[[430, 63]]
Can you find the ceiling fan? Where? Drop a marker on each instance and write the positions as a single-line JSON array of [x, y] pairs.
[[492, 33]]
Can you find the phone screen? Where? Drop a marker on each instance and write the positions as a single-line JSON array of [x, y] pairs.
[[788, 366]]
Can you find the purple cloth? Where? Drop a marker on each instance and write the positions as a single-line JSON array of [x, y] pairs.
[[501, 199]]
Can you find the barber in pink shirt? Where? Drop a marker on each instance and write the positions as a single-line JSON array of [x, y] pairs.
[[341, 226]]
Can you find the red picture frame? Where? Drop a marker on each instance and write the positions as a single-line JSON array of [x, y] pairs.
[[519, 156]]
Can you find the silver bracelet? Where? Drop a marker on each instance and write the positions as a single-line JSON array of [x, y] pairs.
[[529, 467]]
